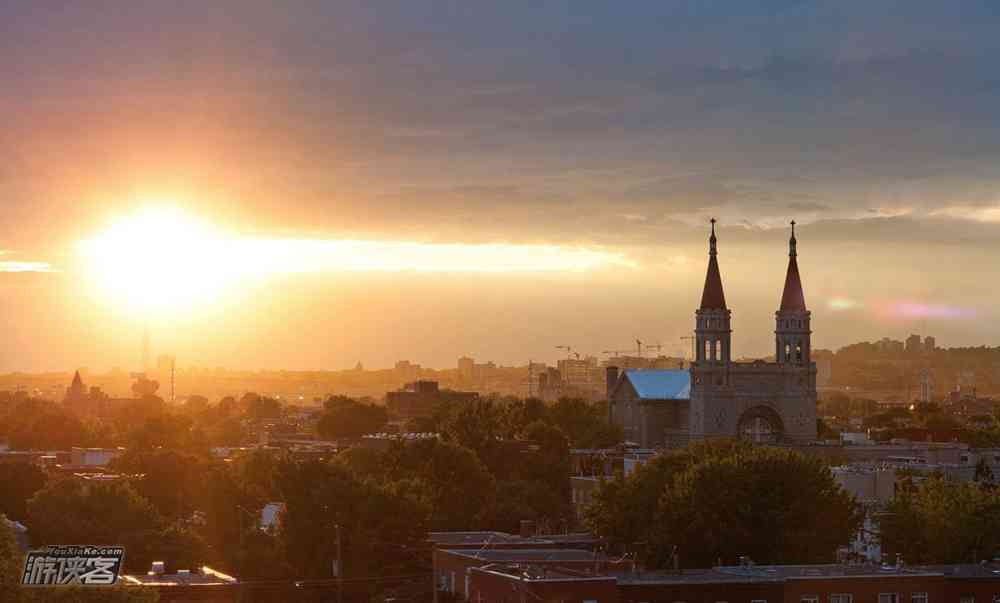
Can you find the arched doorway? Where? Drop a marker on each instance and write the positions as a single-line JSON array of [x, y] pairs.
[[760, 425]]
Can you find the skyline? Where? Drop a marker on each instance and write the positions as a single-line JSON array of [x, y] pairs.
[[375, 224]]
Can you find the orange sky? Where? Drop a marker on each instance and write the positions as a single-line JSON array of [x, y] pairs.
[[419, 165]]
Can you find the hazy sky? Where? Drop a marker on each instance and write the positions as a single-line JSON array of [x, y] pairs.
[[606, 128]]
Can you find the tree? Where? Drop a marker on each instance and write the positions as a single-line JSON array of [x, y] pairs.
[[724, 500], [585, 424], [258, 408], [344, 417], [42, 425], [20, 482], [381, 526], [69, 511], [11, 591], [939, 521], [168, 479], [455, 485]]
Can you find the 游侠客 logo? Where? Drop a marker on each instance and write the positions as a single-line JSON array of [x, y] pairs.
[[73, 565]]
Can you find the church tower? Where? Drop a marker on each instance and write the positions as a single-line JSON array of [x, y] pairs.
[[791, 330], [712, 332]]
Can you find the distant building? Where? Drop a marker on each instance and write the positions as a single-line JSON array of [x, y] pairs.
[[930, 344], [406, 371], [914, 344], [469, 371], [926, 385], [94, 457], [889, 346], [419, 400]]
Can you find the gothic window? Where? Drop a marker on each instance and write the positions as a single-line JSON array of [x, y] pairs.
[[798, 351], [708, 350], [788, 351]]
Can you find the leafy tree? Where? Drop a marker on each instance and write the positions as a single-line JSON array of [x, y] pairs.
[[939, 521], [585, 424], [12, 564], [344, 417], [107, 513], [168, 479], [42, 425], [380, 525], [457, 488], [258, 408], [479, 426], [20, 482], [723, 500], [534, 500]]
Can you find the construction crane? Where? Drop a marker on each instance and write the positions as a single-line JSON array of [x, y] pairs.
[[616, 352], [691, 337], [654, 346], [569, 349]]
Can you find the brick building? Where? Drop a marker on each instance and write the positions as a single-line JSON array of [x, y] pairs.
[[507, 581]]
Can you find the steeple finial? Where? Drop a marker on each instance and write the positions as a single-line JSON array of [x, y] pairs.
[[791, 242], [711, 240], [792, 298], [712, 297]]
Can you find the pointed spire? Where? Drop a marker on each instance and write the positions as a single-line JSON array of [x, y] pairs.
[[77, 380], [712, 297], [792, 298]]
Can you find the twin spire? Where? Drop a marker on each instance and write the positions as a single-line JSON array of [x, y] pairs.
[[713, 298]]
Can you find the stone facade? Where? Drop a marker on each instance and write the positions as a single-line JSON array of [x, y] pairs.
[[763, 401]]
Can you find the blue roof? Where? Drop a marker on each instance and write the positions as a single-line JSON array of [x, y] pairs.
[[649, 384]]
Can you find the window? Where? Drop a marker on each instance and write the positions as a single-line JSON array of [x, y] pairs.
[[809, 599], [888, 598], [758, 600], [967, 599], [841, 598], [918, 598]]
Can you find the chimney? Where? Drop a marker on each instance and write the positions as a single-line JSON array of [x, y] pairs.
[[611, 373]]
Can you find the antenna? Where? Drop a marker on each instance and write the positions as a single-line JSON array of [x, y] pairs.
[[145, 347]]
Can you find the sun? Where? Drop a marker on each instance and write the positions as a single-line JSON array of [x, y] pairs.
[[157, 261]]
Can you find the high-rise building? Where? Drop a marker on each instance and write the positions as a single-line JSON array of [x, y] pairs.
[[913, 344]]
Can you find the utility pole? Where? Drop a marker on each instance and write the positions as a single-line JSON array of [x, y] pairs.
[[530, 376], [340, 567]]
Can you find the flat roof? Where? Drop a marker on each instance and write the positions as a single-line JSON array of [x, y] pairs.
[[528, 555]]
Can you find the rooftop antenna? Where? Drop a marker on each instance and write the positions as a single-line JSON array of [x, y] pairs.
[[145, 348]]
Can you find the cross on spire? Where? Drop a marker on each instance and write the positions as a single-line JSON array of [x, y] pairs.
[[712, 298], [792, 298]]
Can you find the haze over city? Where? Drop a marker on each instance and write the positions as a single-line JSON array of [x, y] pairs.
[[308, 187]]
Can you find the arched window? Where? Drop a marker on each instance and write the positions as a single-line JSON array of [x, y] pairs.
[[798, 351], [708, 350], [788, 352]]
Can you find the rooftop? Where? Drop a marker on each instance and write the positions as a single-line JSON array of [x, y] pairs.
[[205, 576], [660, 384]]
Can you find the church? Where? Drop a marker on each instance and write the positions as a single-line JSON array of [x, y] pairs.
[[766, 402]]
